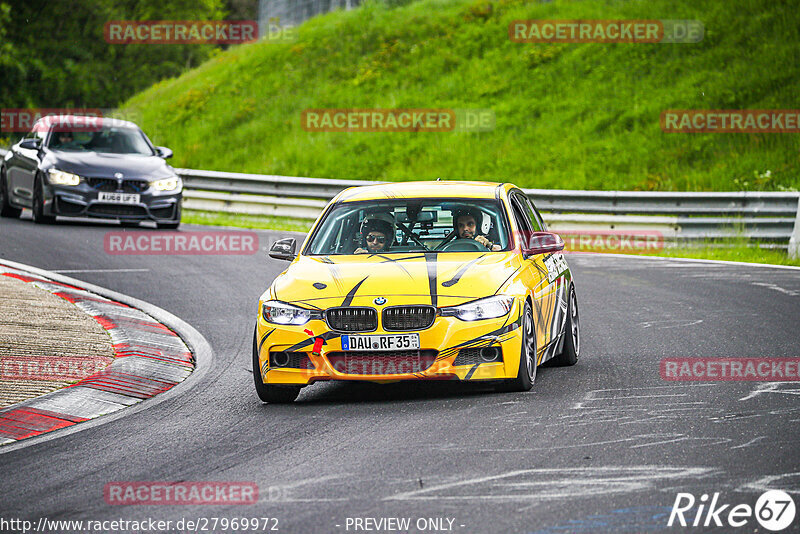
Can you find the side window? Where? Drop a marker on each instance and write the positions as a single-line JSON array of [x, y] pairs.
[[522, 212], [519, 214], [39, 131], [535, 216], [527, 210]]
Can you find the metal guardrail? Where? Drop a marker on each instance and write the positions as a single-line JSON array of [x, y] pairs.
[[764, 216]]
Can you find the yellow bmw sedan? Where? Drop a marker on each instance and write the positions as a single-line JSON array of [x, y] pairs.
[[418, 281]]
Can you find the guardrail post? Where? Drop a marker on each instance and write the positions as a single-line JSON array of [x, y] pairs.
[[794, 241]]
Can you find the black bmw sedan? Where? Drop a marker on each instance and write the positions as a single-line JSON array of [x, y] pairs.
[[75, 166]]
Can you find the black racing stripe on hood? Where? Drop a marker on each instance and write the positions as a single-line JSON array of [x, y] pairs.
[[307, 303], [352, 293], [387, 259], [453, 281], [430, 261], [410, 258]]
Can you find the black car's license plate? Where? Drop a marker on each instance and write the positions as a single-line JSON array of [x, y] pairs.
[[119, 198]]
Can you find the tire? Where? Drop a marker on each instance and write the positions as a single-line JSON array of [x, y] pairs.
[[38, 204], [6, 209], [526, 374], [572, 333], [266, 392]]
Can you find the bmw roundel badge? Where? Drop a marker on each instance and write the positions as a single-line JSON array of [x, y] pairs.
[[380, 301]]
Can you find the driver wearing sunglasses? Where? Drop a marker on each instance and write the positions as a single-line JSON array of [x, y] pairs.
[[376, 236]]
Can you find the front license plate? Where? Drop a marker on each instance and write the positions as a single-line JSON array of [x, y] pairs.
[[119, 198], [380, 342]]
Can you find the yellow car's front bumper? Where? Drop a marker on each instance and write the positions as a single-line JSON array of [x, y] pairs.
[[441, 343]]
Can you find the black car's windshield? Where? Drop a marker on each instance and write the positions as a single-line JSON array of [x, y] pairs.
[[411, 225], [113, 140]]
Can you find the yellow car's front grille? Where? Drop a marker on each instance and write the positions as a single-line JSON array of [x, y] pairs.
[[352, 319], [408, 317]]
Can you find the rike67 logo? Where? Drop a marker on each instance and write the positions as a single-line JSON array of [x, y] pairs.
[[774, 511]]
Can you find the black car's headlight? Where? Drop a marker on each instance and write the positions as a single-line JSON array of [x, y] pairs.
[[57, 177], [277, 312], [166, 184], [488, 308]]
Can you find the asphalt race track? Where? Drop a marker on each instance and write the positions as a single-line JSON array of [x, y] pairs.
[[604, 446]]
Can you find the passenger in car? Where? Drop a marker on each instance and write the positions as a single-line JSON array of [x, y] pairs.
[[466, 226], [376, 236]]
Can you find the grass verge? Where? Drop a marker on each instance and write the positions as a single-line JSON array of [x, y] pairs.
[[257, 222], [568, 116]]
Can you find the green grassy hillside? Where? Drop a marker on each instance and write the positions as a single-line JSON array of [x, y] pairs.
[[576, 116]]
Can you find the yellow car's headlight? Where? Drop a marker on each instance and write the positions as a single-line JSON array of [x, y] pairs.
[[488, 308], [277, 312], [167, 184], [63, 178]]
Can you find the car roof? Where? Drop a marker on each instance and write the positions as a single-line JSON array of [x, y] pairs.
[[439, 189]]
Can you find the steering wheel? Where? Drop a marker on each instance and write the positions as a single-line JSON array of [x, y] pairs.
[[463, 245]]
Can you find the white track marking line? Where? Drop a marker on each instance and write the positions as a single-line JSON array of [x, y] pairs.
[[769, 483], [590, 481], [759, 438], [693, 260], [768, 285], [771, 387]]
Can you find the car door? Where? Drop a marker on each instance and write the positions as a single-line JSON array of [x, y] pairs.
[[22, 167], [534, 273], [561, 277]]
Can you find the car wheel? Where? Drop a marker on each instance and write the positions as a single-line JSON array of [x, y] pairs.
[[572, 333], [526, 374], [6, 209], [268, 392], [38, 204]]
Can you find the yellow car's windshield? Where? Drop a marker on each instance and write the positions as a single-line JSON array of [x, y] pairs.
[[411, 225]]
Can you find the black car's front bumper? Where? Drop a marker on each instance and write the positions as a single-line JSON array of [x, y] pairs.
[[82, 201]]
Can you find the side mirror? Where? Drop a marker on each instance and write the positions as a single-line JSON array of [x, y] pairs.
[[163, 152], [283, 249], [31, 144], [540, 243]]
